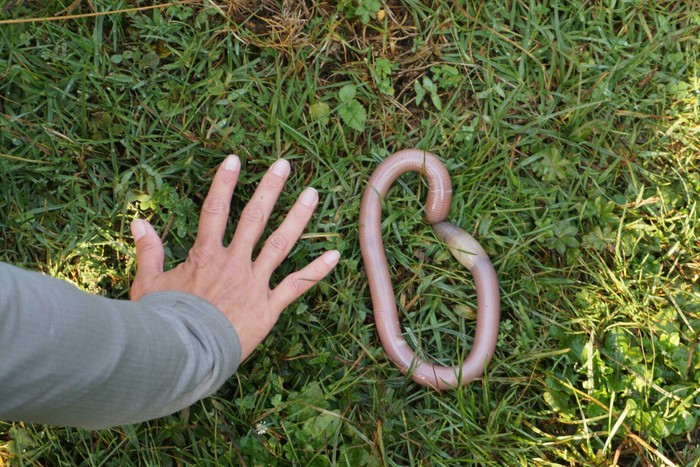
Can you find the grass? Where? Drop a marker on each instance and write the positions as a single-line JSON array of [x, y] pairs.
[[571, 130]]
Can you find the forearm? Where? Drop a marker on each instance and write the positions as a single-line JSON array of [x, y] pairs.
[[75, 359]]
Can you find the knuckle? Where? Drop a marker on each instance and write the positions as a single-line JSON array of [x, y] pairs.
[[298, 284], [199, 256], [253, 213], [214, 206], [278, 242]]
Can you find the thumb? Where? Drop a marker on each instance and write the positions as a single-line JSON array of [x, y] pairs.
[[149, 252]]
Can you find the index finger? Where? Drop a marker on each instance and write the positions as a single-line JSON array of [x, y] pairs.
[[215, 210]]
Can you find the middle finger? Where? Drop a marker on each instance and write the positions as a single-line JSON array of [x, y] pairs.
[[254, 216]]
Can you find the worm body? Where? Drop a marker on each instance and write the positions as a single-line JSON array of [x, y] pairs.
[[462, 245]]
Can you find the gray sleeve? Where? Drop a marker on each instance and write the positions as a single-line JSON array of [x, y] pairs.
[[75, 359]]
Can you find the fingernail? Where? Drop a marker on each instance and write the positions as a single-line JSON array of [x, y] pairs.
[[331, 258], [138, 229], [232, 163], [309, 197], [280, 168]]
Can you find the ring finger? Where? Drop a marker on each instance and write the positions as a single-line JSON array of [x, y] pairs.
[[279, 244]]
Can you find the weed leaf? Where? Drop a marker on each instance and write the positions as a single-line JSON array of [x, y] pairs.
[[353, 114], [320, 112]]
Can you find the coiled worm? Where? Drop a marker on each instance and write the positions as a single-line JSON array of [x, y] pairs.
[[462, 245]]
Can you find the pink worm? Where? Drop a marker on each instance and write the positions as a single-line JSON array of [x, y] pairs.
[[462, 245]]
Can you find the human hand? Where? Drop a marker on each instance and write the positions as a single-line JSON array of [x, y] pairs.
[[227, 276]]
